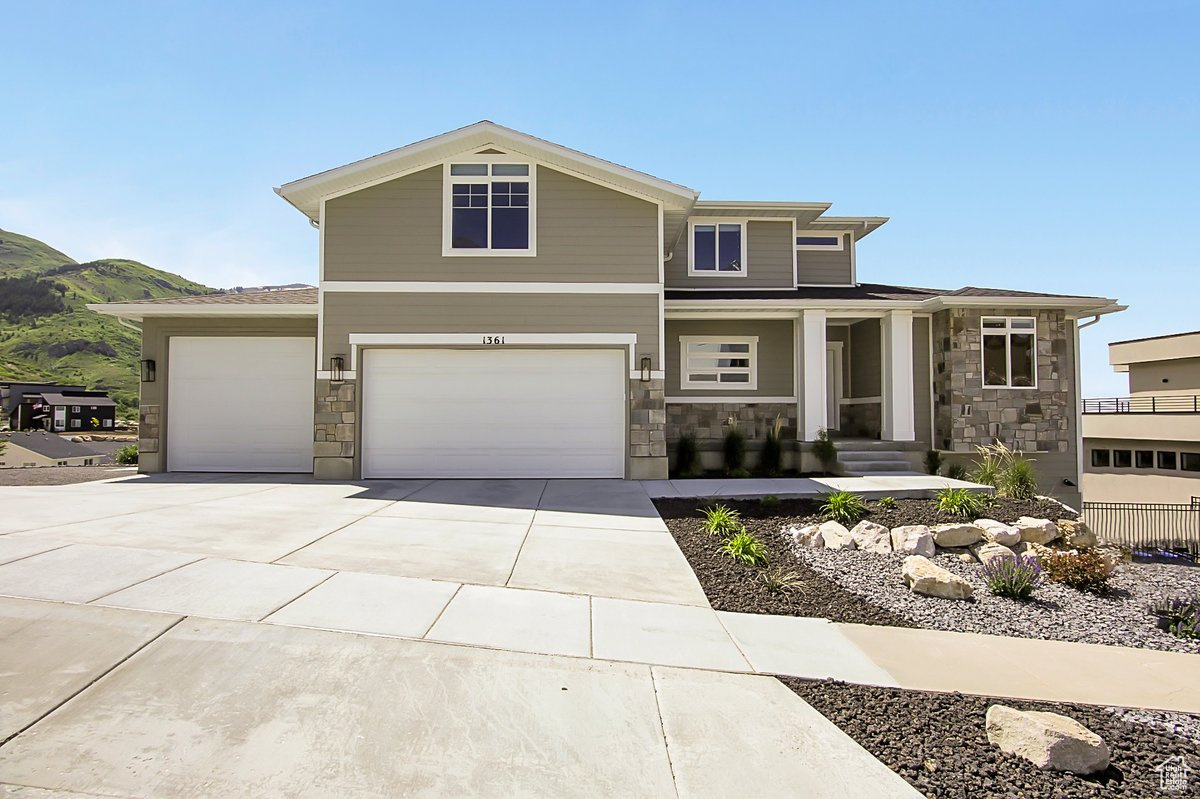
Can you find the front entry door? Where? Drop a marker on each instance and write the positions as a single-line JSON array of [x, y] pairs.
[[60, 418], [833, 384]]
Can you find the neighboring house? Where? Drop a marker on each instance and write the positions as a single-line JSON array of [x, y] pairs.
[[43, 449], [64, 411], [1145, 447], [12, 393], [495, 305]]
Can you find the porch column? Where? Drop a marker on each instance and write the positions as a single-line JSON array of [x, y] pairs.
[[811, 373], [899, 414]]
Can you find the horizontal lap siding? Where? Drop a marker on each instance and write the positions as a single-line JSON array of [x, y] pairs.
[[776, 364], [768, 260], [922, 381], [585, 233], [348, 312], [817, 268], [865, 359]]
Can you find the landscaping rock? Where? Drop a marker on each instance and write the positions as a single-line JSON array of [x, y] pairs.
[[836, 536], [999, 532], [1036, 551], [1076, 533], [913, 539], [1048, 740], [987, 551], [807, 536], [956, 535], [1036, 531], [872, 537], [923, 576]]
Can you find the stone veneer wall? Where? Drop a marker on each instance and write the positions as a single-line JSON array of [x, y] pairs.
[[707, 422], [149, 428], [861, 420], [647, 419], [333, 429], [1029, 419]]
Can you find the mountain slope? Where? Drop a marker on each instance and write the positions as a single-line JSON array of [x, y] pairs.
[[74, 344]]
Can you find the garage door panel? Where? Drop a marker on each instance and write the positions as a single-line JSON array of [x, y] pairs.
[[240, 404], [493, 413]]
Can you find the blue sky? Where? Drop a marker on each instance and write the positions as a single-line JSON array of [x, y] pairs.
[[1043, 146]]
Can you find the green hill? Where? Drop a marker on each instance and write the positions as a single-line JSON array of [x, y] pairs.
[[48, 334]]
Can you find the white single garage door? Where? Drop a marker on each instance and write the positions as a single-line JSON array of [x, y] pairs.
[[240, 404], [493, 413]]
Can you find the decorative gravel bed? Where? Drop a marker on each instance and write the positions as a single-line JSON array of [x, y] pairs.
[[938, 742]]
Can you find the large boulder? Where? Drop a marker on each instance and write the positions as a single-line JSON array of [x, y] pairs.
[[872, 537], [923, 576], [913, 539], [999, 532], [987, 551], [1036, 531], [807, 536], [836, 536], [1076, 533], [956, 534], [1048, 740]]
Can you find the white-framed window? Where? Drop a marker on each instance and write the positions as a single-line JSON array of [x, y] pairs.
[[1009, 345], [74, 409], [489, 208], [717, 247], [831, 242], [106, 423], [718, 362], [76, 423]]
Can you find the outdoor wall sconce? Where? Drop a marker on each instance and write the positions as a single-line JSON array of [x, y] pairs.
[[337, 368], [646, 369], [148, 371]]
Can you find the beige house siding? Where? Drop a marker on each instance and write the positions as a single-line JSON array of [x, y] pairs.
[[1132, 484], [816, 268], [922, 381], [1164, 378], [15, 456], [865, 359], [585, 233], [768, 260], [776, 363]]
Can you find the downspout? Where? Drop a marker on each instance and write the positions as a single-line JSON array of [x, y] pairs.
[[1079, 406], [123, 322]]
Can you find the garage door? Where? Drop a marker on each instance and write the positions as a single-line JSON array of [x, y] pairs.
[[493, 413], [240, 404]]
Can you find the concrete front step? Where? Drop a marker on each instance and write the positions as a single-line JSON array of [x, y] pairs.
[[906, 471], [877, 466], [882, 455]]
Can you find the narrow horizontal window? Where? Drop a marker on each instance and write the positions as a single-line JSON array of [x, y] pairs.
[[717, 248], [468, 169], [718, 363], [1166, 460], [1122, 458], [1144, 458], [1100, 458], [1189, 461], [810, 242]]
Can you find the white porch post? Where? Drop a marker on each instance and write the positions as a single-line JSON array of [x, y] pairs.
[[899, 412], [811, 371]]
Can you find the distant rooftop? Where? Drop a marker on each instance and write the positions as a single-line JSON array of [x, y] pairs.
[[48, 445]]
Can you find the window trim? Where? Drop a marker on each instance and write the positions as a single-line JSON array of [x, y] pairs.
[[685, 381], [841, 237], [1117, 465], [1007, 332], [448, 182], [718, 220], [1158, 460], [1137, 453], [1107, 457]]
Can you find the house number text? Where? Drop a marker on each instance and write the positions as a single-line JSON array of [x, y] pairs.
[[493, 339]]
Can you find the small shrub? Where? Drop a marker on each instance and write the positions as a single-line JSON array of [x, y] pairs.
[[720, 519], [770, 459], [961, 503], [779, 582], [845, 507], [1012, 578], [1179, 616], [687, 457], [734, 448], [825, 450], [887, 503], [745, 548], [956, 471], [769, 502], [933, 461], [1083, 570], [127, 455], [740, 473], [1018, 480]]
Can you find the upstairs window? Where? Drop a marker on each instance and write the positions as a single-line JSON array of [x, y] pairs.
[[1009, 352], [816, 241], [718, 248], [718, 363], [489, 209]]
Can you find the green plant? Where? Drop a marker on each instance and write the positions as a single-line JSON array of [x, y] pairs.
[[770, 459], [1083, 570], [740, 473], [961, 503], [687, 456], [933, 461], [745, 548], [956, 471], [769, 502], [825, 450], [1012, 577], [1179, 616], [734, 447], [127, 455], [780, 582], [720, 519], [887, 503], [844, 506], [1019, 478]]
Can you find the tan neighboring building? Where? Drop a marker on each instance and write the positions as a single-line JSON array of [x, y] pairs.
[[1146, 447], [23, 450]]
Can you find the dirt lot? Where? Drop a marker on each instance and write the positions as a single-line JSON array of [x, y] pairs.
[[62, 475]]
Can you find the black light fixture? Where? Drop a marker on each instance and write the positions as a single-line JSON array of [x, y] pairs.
[[148, 370], [646, 369], [337, 368]]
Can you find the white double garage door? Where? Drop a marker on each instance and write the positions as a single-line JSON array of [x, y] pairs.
[[245, 404]]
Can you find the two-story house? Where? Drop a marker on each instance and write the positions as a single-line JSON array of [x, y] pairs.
[[495, 305]]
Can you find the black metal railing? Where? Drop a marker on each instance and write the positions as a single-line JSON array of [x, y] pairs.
[[1183, 403], [1147, 526]]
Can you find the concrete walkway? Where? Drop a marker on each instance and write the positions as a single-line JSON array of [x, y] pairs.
[[899, 486]]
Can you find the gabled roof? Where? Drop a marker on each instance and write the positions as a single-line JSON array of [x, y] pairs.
[[306, 193], [99, 400], [49, 445]]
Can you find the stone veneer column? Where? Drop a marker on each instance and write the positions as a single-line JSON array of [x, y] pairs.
[[334, 425], [647, 430], [149, 439]]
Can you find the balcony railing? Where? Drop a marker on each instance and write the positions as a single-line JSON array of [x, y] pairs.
[[1183, 403]]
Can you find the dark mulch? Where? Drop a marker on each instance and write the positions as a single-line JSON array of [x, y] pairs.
[[734, 587], [938, 743]]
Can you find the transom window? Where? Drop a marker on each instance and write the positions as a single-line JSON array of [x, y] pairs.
[[489, 209], [718, 363], [718, 247], [1009, 352], [816, 241]]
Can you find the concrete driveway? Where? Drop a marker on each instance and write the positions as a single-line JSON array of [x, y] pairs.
[[250, 636]]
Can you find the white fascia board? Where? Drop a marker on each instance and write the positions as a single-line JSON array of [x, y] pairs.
[[138, 311], [1081, 305], [536, 339], [496, 287]]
